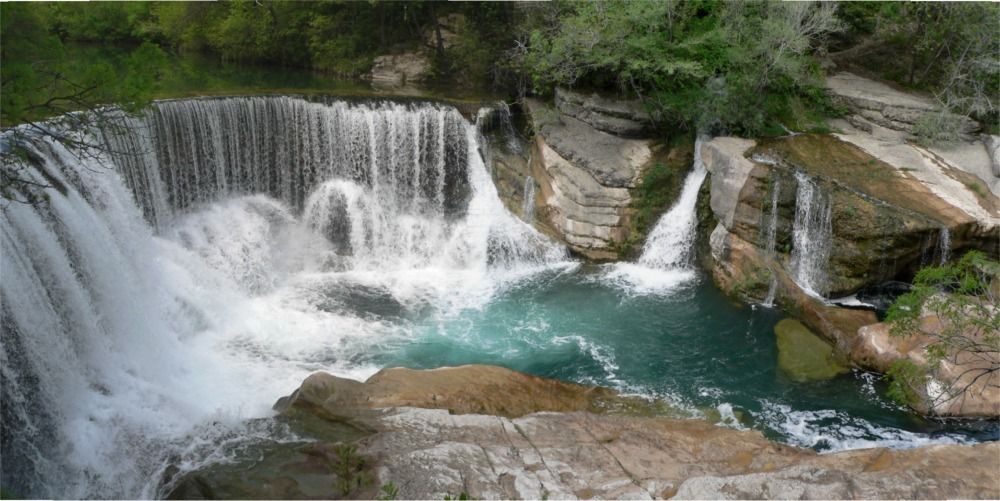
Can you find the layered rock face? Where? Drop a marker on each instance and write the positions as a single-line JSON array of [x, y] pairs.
[[588, 154], [492, 433]]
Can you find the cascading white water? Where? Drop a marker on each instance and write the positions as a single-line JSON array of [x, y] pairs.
[[528, 202], [666, 259], [148, 310], [772, 232], [812, 234], [944, 244]]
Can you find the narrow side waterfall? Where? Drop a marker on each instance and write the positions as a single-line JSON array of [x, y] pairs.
[[666, 259], [812, 234], [772, 231], [179, 282], [528, 203], [944, 244]]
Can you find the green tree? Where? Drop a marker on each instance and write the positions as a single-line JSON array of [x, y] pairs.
[[696, 64], [39, 82], [947, 48], [962, 296]]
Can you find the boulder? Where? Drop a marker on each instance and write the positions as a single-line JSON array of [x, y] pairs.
[[467, 389], [585, 180], [802, 355], [613, 161]]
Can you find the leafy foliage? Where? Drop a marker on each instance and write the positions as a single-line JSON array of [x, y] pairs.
[[948, 48], [41, 81], [699, 64], [388, 492], [962, 296]]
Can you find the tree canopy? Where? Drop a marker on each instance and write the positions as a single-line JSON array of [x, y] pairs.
[[740, 66]]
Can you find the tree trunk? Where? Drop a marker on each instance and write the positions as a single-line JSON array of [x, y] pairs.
[[437, 34]]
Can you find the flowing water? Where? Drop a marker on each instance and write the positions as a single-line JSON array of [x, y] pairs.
[[770, 245], [666, 261], [150, 311], [944, 244], [811, 236]]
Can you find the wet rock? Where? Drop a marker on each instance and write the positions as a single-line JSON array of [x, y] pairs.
[[309, 470], [802, 355], [881, 296]]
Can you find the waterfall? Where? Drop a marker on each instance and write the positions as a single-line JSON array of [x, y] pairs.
[[150, 309], [772, 231], [944, 244], [811, 236], [528, 201], [666, 259]]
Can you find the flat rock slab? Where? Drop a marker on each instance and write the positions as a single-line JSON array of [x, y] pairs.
[[878, 94], [429, 454]]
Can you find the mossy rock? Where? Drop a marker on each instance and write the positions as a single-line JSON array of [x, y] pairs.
[[804, 356]]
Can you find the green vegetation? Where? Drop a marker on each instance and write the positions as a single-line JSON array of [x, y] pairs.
[[40, 80], [388, 492], [720, 65], [654, 194], [963, 297], [947, 49], [752, 68], [350, 470]]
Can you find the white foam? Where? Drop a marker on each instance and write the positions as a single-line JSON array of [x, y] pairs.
[[812, 429]]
